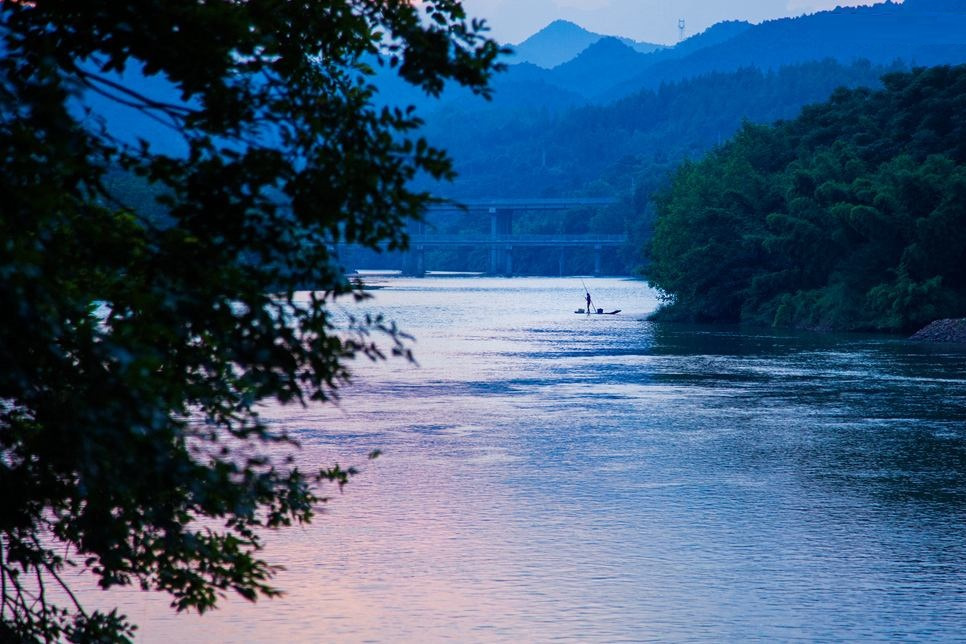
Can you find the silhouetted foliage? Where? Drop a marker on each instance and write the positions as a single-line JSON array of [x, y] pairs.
[[150, 299], [848, 217]]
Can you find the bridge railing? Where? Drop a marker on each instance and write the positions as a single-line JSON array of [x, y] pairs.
[[524, 239]]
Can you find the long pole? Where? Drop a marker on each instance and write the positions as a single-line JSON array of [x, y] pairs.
[[587, 291]]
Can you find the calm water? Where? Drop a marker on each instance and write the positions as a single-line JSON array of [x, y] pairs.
[[552, 476]]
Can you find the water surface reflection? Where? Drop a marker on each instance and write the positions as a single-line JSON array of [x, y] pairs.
[[548, 475]]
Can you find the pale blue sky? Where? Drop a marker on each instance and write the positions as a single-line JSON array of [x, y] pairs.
[[649, 20]]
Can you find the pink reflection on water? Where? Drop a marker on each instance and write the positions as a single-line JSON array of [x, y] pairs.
[[429, 542]]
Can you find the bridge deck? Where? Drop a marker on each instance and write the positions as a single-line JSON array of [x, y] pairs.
[[517, 240], [487, 205]]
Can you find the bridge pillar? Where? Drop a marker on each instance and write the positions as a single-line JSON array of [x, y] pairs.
[[495, 257], [501, 221], [597, 257], [501, 225], [414, 261]]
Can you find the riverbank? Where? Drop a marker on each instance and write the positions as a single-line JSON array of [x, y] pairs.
[[951, 330]]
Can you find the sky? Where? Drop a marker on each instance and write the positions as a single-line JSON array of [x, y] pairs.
[[512, 21]]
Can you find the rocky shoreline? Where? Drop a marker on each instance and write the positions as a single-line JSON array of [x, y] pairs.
[[953, 330]]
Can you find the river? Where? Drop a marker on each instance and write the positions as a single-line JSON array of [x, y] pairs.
[[547, 475]]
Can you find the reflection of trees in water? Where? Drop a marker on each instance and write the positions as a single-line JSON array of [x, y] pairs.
[[864, 415]]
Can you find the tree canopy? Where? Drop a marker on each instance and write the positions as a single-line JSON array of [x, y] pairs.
[[848, 217], [137, 339]]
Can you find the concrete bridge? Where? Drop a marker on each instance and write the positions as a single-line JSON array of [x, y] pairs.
[[501, 241]]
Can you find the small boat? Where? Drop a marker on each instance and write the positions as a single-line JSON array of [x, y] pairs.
[[592, 308], [597, 312]]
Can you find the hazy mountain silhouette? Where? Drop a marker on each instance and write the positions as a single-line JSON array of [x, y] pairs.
[[715, 34], [606, 62], [561, 41], [599, 67], [920, 32], [610, 62]]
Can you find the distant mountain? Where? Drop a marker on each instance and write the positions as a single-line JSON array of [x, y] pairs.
[[591, 65], [639, 45], [555, 131], [561, 41], [599, 67], [612, 62], [920, 32], [556, 43], [714, 35]]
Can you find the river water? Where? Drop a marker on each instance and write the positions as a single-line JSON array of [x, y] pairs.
[[548, 475]]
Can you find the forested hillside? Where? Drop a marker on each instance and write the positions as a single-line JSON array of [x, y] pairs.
[[852, 216], [600, 150], [628, 149]]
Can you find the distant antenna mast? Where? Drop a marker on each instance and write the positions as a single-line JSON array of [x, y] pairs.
[[681, 25]]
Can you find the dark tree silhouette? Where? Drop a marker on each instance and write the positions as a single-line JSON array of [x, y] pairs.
[[136, 339]]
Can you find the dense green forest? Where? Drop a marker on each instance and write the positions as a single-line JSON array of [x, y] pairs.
[[852, 216]]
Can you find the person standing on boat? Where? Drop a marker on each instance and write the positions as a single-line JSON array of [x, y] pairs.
[[588, 303]]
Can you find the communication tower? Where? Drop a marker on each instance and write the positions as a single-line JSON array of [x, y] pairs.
[[681, 25]]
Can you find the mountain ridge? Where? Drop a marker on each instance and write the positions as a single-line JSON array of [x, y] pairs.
[[920, 32], [562, 40]]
